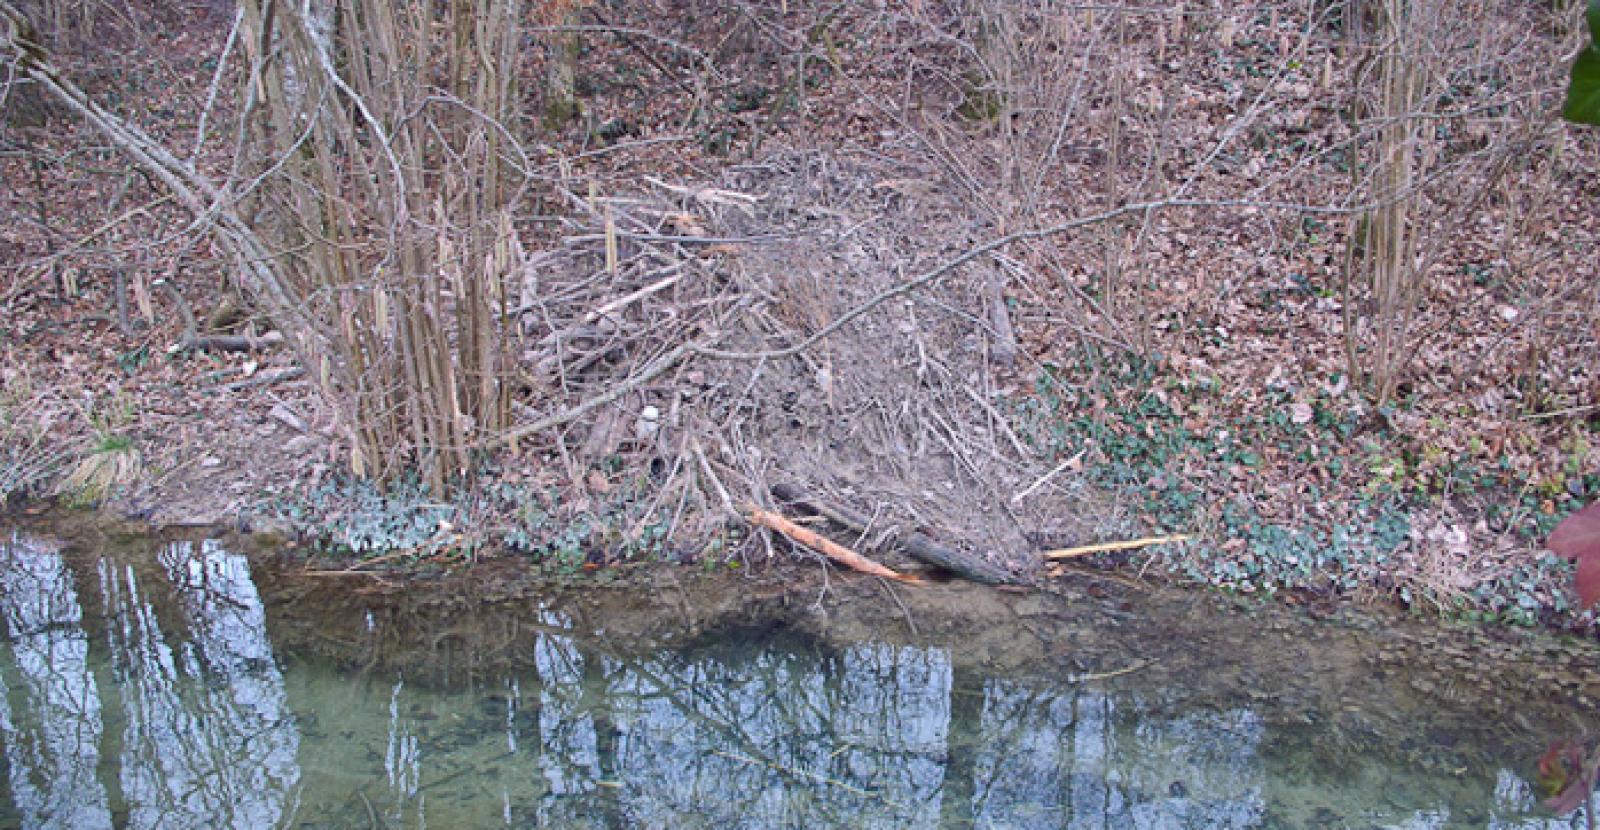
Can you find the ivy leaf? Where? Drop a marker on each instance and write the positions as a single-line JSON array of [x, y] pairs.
[[1583, 96], [1578, 538]]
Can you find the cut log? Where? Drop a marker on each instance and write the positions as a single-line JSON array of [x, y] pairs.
[[916, 545]]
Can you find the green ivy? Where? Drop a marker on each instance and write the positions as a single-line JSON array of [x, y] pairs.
[[354, 518], [1583, 96]]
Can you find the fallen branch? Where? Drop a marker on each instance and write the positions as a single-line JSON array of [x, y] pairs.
[[817, 542], [124, 319], [628, 299], [711, 476], [1040, 482], [355, 568], [1004, 353], [266, 378], [743, 201], [918, 546], [1107, 675], [1104, 547], [193, 341]]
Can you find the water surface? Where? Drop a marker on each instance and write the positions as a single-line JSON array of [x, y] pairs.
[[169, 685]]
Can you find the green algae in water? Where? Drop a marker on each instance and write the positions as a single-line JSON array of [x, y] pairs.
[[145, 691]]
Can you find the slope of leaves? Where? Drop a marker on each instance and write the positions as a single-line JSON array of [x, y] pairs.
[[1242, 426]]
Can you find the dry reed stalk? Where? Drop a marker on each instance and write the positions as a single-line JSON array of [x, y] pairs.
[[380, 147], [1383, 243]]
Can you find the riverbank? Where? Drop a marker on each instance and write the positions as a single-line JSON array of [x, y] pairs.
[[839, 284]]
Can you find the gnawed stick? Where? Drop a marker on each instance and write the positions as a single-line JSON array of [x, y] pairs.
[[1104, 547], [1107, 675], [822, 544], [918, 546], [266, 378]]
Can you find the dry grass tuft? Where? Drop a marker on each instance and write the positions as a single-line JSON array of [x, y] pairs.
[[28, 456], [112, 466]]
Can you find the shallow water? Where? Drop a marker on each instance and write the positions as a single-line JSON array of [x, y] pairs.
[[168, 686]]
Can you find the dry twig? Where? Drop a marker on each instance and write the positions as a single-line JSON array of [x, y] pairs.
[[1104, 547]]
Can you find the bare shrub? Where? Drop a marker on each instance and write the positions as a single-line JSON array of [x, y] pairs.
[[1439, 119], [1049, 93], [385, 170], [369, 213]]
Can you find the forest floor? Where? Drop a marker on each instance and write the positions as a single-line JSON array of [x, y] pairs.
[[771, 175]]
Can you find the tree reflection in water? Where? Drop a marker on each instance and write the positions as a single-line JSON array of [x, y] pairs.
[[49, 700], [158, 701], [208, 740], [192, 736]]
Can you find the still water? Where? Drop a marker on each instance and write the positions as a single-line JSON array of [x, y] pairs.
[[145, 690]]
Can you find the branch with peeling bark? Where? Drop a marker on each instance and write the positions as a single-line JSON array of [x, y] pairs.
[[917, 545], [822, 544], [1107, 547]]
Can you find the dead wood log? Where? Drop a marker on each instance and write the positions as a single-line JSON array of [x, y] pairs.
[[192, 340], [1004, 352], [916, 545]]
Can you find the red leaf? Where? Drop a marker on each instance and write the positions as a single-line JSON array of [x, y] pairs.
[[1578, 538], [1588, 580], [1561, 773], [1578, 535], [1553, 774], [1567, 801]]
